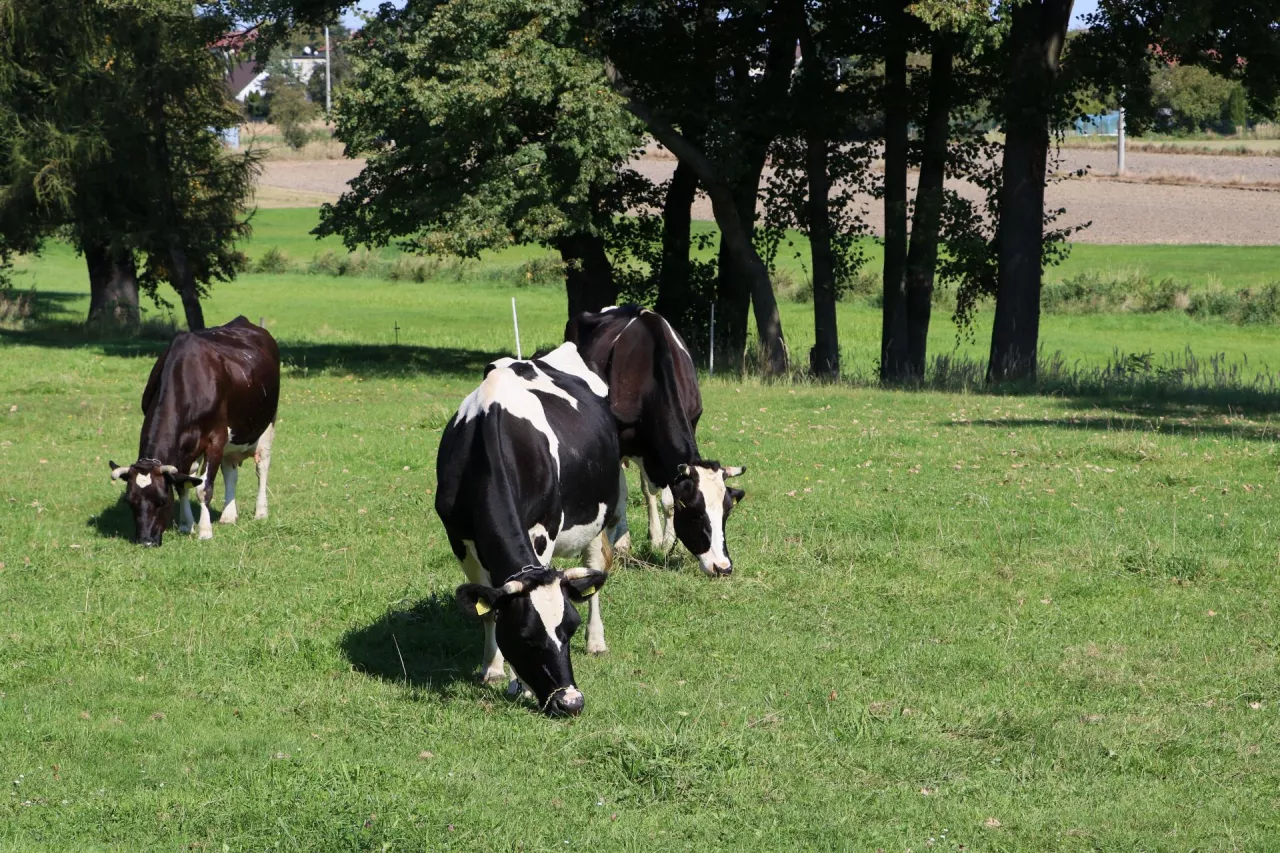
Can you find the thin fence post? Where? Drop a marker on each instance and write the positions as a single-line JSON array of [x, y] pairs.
[[1120, 144], [515, 320], [711, 363]]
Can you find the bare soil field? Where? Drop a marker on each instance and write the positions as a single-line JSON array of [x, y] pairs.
[[1164, 198]]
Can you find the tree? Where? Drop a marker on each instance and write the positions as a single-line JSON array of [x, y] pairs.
[[718, 114], [107, 110], [1037, 31], [485, 126], [289, 109]]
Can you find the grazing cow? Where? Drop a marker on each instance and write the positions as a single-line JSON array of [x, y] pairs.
[[210, 401], [654, 397], [525, 472]]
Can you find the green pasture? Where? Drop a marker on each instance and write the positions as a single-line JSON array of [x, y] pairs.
[[970, 622]]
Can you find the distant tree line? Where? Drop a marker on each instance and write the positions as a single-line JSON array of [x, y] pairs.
[[487, 124]]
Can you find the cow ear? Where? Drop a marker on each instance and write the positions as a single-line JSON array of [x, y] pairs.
[[476, 599], [737, 494], [118, 472], [585, 583], [176, 480], [734, 470]]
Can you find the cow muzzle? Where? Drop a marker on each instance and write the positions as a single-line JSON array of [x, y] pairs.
[[566, 703], [714, 566]]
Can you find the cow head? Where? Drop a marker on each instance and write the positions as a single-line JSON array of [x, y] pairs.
[[703, 502], [534, 620], [149, 489]]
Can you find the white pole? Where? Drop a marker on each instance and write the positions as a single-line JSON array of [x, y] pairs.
[[516, 321], [1120, 144], [328, 98], [711, 364]]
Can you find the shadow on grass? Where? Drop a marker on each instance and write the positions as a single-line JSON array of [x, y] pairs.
[[299, 359], [303, 359], [428, 645], [114, 522], [1177, 423]]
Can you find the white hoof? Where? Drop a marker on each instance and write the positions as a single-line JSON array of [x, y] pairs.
[[228, 518], [206, 534], [596, 647], [493, 676], [623, 545], [260, 514]]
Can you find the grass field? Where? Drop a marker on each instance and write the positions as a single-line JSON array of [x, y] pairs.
[[957, 621]]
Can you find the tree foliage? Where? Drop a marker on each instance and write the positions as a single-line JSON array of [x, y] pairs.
[[108, 120], [483, 125]]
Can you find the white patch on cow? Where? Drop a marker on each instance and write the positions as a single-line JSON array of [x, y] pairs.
[[567, 359], [142, 480], [544, 556], [502, 387], [548, 600], [471, 566], [572, 694], [607, 309], [574, 540], [711, 485]]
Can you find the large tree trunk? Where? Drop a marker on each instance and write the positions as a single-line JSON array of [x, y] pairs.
[[674, 299], [824, 358], [113, 286], [922, 258], [894, 360], [588, 274], [184, 281], [1037, 32], [735, 289], [736, 246]]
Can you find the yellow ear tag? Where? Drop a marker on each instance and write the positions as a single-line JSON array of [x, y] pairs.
[[482, 607], [591, 590]]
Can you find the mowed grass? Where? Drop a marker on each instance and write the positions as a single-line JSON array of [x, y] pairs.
[[957, 621]]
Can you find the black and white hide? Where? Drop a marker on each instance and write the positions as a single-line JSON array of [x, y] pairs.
[[528, 470]]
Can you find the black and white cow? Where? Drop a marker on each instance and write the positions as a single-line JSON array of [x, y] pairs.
[[656, 404], [210, 402], [527, 471]]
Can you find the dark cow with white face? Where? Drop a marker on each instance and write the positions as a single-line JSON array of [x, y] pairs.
[[210, 401], [654, 398], [526, 471]]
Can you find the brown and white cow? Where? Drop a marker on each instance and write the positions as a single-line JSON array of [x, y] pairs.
[[210, 402], [656, 404]]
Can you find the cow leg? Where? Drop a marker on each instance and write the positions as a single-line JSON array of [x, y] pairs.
[[262, 460], [212, 461], [620, 536], [669, 513], [186, 520], [595, 558], [230, 474], [494, 668], [655, 519]]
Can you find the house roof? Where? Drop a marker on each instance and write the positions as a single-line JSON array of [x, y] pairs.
[[242, 74]]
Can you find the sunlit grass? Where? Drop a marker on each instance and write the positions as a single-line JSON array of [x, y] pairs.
[[1002, 622]]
